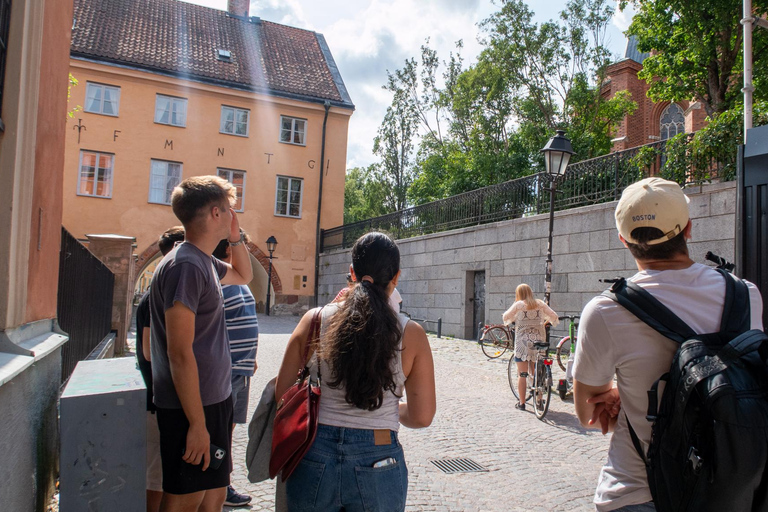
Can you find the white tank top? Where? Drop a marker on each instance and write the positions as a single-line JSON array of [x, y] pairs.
[[334, 409]]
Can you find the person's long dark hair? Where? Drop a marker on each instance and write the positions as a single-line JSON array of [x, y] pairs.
[[363, 337]]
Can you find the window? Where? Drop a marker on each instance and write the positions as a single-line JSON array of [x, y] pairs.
[[5, 24], [237, 179], [234, 121], [288, 198], [170, 110], [672, 121], [95, 178], [164, 176], [102, 99], [292, 130]]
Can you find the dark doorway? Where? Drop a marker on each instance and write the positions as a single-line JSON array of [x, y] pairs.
[[478, 301]]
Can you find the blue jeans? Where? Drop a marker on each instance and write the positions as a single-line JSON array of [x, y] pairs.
[[337, 472], [643, 507]]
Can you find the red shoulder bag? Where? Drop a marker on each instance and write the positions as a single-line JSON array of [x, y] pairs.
[[296, 417]]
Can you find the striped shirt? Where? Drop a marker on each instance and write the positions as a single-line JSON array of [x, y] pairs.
[[242, 327]]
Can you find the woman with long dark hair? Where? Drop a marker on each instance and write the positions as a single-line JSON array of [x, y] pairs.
[[367, 356]]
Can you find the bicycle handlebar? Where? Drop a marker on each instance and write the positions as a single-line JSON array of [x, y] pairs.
[[568, 317], [720, 261]]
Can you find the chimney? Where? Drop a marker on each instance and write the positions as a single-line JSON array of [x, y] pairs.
[[238, 8]]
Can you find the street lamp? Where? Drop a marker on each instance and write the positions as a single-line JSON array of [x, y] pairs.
[[557, 153], [271, 245]]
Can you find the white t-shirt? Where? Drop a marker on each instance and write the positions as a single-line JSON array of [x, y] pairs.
[[613, 340], [395, 299]]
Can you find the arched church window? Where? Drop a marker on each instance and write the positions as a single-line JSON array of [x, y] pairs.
[[672, 121]]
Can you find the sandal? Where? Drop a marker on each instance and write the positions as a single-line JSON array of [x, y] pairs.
[[519, 406]]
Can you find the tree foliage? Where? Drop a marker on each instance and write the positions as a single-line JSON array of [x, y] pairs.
[[453, 127], [365, 195], [696, 50]]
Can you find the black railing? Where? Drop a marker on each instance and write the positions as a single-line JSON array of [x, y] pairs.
[[84, 301], [593, 181]]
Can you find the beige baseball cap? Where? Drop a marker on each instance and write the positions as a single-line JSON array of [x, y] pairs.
[[652, 203]]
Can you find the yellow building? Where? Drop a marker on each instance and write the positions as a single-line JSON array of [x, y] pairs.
[[171, 90]]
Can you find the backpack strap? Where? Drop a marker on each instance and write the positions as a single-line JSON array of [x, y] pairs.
[[650, 310], [736, 308]]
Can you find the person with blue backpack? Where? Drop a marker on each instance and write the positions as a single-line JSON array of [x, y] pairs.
[[688, 408]]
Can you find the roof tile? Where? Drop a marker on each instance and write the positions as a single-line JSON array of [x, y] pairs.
[[182, 39]]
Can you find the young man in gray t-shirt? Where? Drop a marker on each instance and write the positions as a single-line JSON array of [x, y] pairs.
[[190, 350]]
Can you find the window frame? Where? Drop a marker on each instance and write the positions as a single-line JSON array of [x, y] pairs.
[[98, 154], [235, 110], [288, 203], [665, 127], [114, 88], [166, 162], [293, 131], [170, 110], [242, 192]]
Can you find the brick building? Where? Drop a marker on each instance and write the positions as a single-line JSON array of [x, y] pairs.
[[651, 121]]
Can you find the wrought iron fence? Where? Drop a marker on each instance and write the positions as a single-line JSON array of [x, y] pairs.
[[84, 301], [593, 181]]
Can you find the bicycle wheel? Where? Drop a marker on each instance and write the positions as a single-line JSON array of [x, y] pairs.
[[563, 352], [542, 385], [512, 375], [494, 342]]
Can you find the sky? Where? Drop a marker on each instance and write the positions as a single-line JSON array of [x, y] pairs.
[[369, 37]]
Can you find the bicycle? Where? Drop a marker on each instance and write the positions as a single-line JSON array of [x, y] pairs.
[[497, 339], [564, 354], [538, 385]]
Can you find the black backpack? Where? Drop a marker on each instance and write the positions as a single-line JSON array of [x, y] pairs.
[[709, 442]]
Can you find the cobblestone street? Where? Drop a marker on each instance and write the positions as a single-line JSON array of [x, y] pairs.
[[549, 465]]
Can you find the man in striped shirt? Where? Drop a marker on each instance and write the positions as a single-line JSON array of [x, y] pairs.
[[243, 332]]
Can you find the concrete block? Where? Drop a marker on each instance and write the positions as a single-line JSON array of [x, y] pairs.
[[497, 268], [435, 286], [612, 260], [561, 244], [454, 285], [447, 300], [699, 205], [444, 257], [517, 267], [488, 236], [579, 242], [421, 260], [599, 240], [484, 253], [522, 249], [528, 229], [721, 227], [723, 202], [103, 437]]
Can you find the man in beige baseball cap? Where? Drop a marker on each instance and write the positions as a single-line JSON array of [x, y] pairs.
[[654, 224], [652, 203]]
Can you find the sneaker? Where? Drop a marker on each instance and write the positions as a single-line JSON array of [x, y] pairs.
[[519, 406], [235, 499]]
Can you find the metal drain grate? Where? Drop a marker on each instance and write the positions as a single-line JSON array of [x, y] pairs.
[[451, 466]]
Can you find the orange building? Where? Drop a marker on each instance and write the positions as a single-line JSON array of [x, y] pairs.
[[34, 36], [651, 122], [171, 90]]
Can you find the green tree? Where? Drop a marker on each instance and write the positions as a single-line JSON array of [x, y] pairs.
[[696, 50], [364, 195]]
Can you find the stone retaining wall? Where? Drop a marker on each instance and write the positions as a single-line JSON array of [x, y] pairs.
[[438, 270]]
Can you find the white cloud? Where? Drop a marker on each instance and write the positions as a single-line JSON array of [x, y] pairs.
[[369, 37]]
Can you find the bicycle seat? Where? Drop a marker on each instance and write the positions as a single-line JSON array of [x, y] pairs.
[[541, 346]]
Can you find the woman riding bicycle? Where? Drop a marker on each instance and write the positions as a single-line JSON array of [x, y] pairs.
[[530, 316]]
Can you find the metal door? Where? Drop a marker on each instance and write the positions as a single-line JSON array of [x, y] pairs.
[[478, 299], [752, 211]]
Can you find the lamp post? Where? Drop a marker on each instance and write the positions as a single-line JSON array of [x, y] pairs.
[[271, 245], [557, 153]]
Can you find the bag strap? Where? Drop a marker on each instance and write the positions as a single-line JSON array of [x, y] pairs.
[[312, 340]]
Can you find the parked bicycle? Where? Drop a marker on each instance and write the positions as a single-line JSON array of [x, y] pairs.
[[497, 339], [564, 353], [539, 385]]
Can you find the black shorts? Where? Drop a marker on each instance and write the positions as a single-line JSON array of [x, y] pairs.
[[180, 477]]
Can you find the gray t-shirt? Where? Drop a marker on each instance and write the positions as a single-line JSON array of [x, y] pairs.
[[191, 277]]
